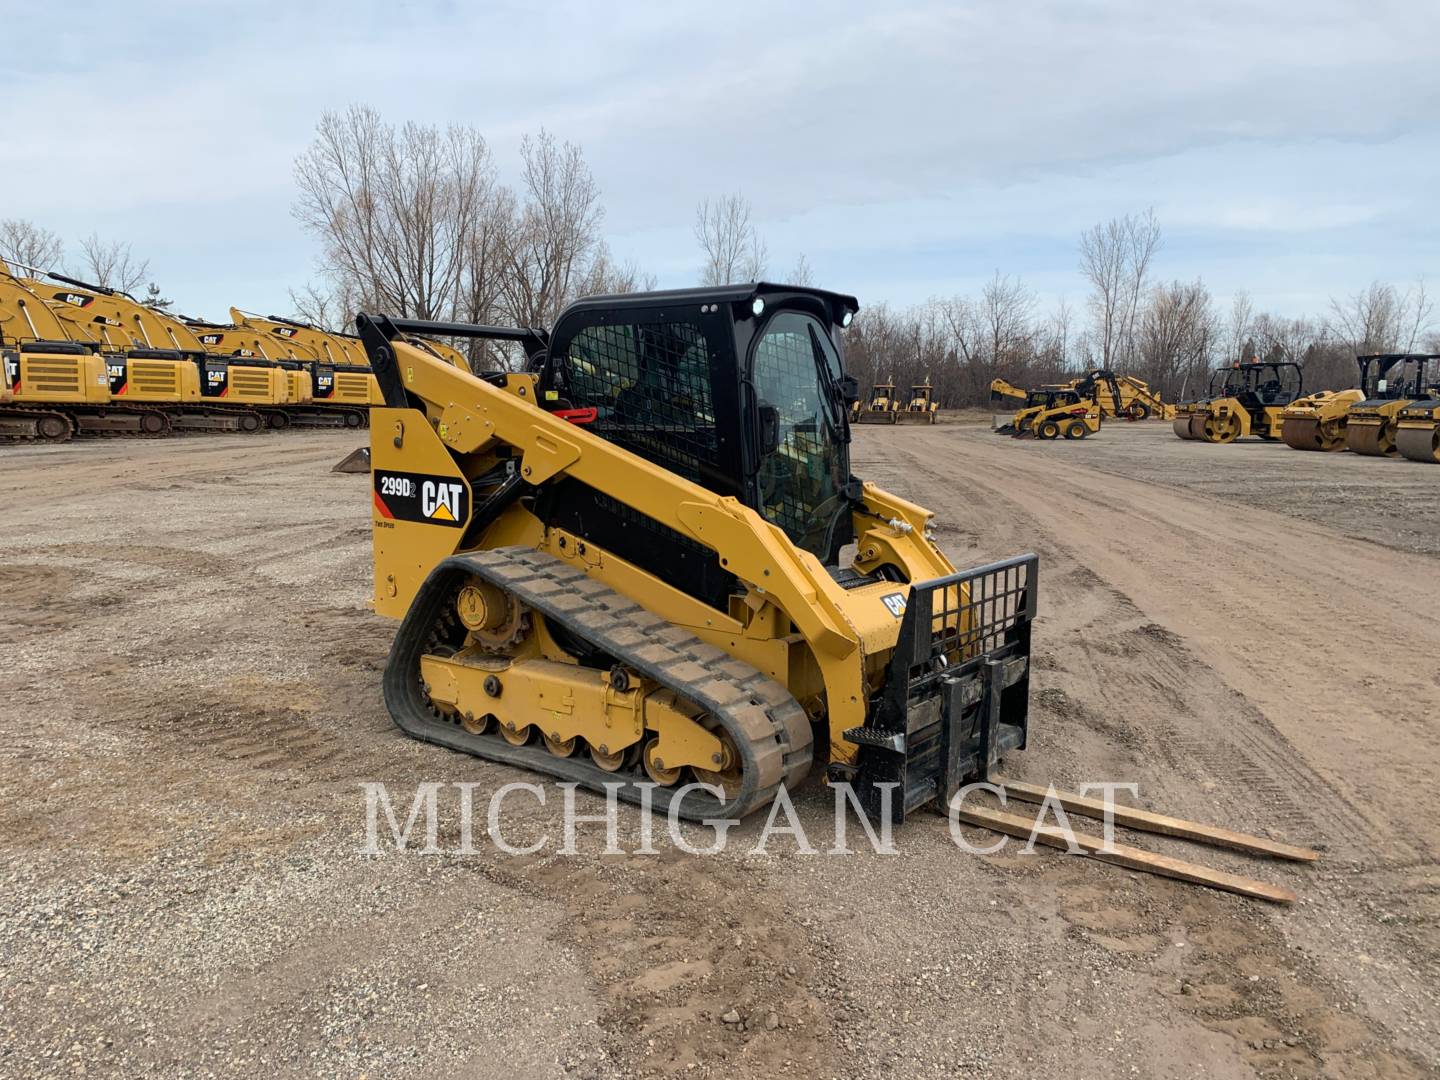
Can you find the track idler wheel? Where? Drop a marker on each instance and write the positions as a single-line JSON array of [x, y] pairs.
[[54, 428], [655, 767], [1419, 444]]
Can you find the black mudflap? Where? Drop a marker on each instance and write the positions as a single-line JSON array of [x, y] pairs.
[[957, 693]]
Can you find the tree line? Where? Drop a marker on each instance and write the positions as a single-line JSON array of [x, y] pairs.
[[33, 249]]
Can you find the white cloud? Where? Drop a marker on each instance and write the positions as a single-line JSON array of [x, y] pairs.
[[907, 149]]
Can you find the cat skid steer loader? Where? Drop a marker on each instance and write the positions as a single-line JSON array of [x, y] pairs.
[[625, 570], [626, 567]]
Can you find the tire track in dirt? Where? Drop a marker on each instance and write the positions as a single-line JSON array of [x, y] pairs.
[[1151, 546]]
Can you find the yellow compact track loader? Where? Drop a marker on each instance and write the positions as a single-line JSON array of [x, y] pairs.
[[625, 569], [1417, 426], [1373, 423], [923, 408], [1251, 402], [881, 408]]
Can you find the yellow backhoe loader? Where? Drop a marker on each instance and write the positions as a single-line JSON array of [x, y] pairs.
[[1254, 396], [1373, 423], [1002, 391], [922, 407], [626, 567], [882, 406], [1124, 396]]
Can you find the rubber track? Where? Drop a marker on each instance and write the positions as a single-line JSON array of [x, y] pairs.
[[769, 727]]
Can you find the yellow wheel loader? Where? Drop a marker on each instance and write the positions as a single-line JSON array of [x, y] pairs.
[[1373, 423], [882, 407], [1254, 396], [922, 407], [1417, 425], [624, 569]]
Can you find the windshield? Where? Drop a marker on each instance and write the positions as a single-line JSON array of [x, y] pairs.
[[801, 482]]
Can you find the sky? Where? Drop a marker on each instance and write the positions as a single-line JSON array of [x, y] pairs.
[[908, 150]]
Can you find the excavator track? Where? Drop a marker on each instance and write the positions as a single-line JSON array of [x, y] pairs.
[[1419, 443], [766, 725], [1308, 433], [42, 425], [128, 422]]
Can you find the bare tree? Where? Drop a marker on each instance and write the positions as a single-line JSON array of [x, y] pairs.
[[800, 273], [1380, 318], [111, 265], [25, 244], [395, 209], [1115, 257], [1242, 312], [733, 249], [1178, 334], [550, 241]]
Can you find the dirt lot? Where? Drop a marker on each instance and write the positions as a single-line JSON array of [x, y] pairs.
[[192, 701]]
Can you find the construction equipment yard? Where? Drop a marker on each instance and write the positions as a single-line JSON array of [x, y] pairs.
[[193, 702]]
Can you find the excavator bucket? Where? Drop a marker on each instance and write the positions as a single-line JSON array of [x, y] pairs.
[[357, 461]]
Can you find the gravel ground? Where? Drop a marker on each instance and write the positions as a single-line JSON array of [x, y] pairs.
[[193, 705]]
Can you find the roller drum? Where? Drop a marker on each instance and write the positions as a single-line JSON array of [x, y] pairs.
[[1418, 443], [1181, 427], [1309, 433], [1372, 440]]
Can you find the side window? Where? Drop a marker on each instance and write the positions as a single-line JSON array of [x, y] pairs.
[[651, 384]]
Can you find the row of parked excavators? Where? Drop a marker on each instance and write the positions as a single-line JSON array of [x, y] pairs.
[[82, 359], [1394, 409]]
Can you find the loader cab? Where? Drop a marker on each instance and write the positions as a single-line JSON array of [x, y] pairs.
[[1392, 376], [1259, 386], [740, 389]]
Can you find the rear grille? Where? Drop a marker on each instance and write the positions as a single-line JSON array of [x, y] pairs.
[[52, 376], [154, 378], [352, 387], [251, 382]]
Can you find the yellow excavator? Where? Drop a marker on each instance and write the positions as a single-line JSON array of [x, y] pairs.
[[151, 357], [880, 408], [1373, 423], [625, 569], [922, 407], [1252, 399], [55, 379]]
